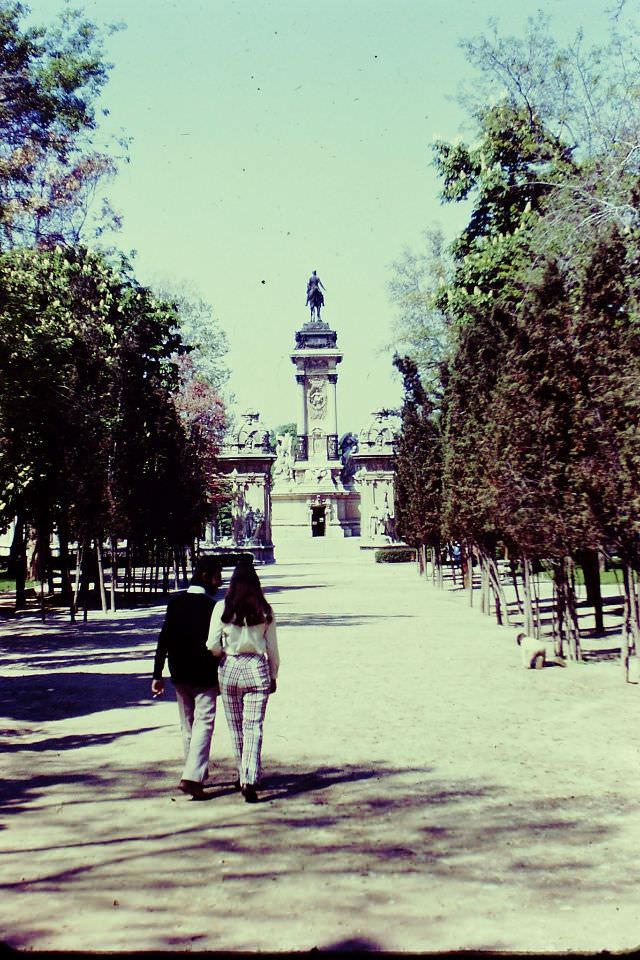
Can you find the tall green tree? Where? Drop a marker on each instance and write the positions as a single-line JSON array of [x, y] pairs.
[[418, 465], [101, 437], [200, 328], [422, 325], [50, 164]]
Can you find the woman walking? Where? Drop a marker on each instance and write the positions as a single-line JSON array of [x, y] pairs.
[[244, 636]]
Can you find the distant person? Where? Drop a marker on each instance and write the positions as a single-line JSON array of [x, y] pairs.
[[194, 672], [244, 636]]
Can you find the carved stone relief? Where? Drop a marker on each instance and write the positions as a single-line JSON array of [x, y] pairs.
[[317, 399]]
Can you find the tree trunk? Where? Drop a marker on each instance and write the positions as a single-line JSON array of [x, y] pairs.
[[438, 558], [561, 604], [567, 608], [514, 578], [100, 565], [66, 593], [84, 579], [18, 562], [66, 589], [176, 569], [41, 561], [572, 609], [484, 582], [627, 628], [453, 563], [498, 592], [470, 574], [535, 603], [78, 574], [527, 596], [635, 610], [589, 560], [165, 571], [113, 586]]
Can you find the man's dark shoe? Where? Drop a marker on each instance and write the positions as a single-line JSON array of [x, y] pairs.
[[249, 793], [236, 784], [193, 788]]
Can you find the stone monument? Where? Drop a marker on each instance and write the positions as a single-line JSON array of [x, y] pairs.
[[302, 489], [374, 473], [246, 459], [309, 497]]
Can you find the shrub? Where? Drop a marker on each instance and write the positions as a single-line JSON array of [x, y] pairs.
[[395, 555], [228, 559]]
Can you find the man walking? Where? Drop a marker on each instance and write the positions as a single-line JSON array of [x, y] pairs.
[[193, 670]]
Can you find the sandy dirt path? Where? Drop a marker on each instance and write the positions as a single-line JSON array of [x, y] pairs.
[[422, 791]]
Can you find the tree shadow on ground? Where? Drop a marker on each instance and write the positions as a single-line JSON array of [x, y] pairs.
[[72, 741], [32, 636], [41, 697], [386, 827], [290, 588], [15, 795], [405, 817], [336, 620], [62, 646]]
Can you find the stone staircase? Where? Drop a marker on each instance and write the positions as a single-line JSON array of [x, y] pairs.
[[312, 549]]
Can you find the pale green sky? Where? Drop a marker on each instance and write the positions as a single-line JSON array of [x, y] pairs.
[[273, 138]]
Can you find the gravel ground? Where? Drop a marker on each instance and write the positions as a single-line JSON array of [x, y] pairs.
[[422, 792]]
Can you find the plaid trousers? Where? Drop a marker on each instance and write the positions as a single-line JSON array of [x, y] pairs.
[[244, 687]]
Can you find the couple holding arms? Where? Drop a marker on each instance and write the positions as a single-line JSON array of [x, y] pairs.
[[232, 649]]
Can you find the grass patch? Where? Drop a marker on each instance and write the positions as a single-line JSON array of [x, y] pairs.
[[8, 584], [606, 576]]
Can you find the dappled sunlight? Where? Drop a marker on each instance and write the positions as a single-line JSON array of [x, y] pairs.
[[314, 828], [405, 803]]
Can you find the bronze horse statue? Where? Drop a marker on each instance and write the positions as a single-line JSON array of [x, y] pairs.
[[315, 299]]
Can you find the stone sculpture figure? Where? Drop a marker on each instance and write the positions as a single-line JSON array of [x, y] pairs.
[[249, 524], [283, 467], [315, 298], [374, 523], [258, 534], [238, 513]]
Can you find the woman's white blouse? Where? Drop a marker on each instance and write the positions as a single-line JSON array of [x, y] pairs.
[[231, 639]]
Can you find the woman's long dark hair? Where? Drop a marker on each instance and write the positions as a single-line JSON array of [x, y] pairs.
[[245, 602]]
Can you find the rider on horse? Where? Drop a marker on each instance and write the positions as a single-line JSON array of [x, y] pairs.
[[315, 298]]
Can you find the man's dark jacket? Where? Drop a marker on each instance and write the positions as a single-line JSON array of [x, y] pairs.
[[183, 639]]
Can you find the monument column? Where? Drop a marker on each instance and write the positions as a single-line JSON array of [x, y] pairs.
[[312, 499], [302, 418], [332, 440]]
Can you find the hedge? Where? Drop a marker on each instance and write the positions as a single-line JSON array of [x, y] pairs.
[[395, 555]]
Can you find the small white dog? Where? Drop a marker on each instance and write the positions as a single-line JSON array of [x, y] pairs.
[[533, 652]]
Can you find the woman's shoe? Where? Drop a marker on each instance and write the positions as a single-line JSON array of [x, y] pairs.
[[236, 784], [249, 793]]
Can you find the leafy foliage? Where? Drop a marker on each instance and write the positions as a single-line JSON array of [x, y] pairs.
[[100, 432], [50, 167], [539, 394], [418, 478]]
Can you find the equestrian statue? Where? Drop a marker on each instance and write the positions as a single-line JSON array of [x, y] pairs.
[[315, 298]]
